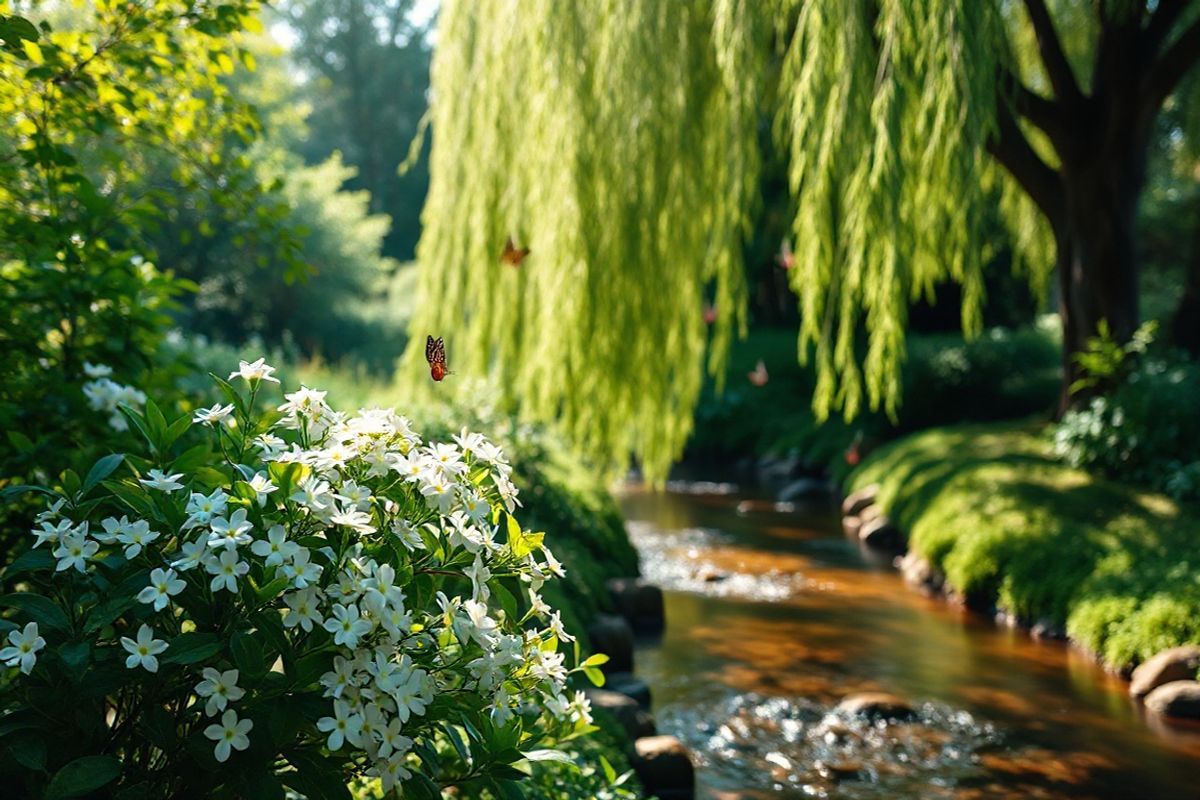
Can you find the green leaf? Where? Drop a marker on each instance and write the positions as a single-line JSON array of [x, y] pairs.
[[29, 561], [42, 610], [70, 482], [595, 660], [188, 648], [594, 675], [176, 429], [83, 775], [101, 470], [28, 749], [137, 422], [505, 599], [316, 778], [20, 441], [156, 424], [10, 492], [247, 655], [550, 755], [106, 613], [76, 656]]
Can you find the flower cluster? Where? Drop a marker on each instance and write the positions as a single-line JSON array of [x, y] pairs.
[[105, 394], [381, 575]]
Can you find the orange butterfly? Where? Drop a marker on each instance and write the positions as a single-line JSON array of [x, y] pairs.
[[512, 254], [759, 376], [435, 354]]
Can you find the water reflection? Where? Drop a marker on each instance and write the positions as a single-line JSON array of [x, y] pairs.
[[773, 617]]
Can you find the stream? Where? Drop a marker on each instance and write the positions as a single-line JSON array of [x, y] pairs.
[[773, 617]]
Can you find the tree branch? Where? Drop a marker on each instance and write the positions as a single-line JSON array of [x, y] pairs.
[[1058, 69], [1009, 146], [1041, 111], [1169, 69]]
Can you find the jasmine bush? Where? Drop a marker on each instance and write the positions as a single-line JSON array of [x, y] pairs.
[[313, 598]]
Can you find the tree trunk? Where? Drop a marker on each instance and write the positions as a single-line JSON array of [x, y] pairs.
[[1185, 322], [1097, 269]]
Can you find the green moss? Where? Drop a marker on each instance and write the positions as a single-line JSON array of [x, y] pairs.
[[1007, 523]]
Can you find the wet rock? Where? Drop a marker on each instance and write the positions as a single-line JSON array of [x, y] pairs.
[[1046, 628], [1177, 699], [630, 686], [855, 502], [645, 724], [804, 488], [851, 526], [1175, 664], [839, 771], [624, 709], [664, 767], [710, 574], [640, 602], [880, 534], [612, 635], [918, 572], [876, 706]]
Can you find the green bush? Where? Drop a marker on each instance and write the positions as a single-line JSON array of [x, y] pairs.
[[1146, 430], [314, 597]]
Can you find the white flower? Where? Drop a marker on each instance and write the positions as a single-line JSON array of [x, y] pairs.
[[413, 693], [225, 571], [220, 688], [556, 628], [135, 537], [163, 584], [353, 519], [347, 625], [262, 487], [342, 676], [231, 733], [23, 648], [275, 548], [214, 415], [409, 537], [161, 481], [201, 508], [581, 708], [501, 710], [143, 652], [391, 771], [96, 370], [74, 550], [439, 492], [301, 570], [113, 528], [230, 532], [390, 740], [357, 496], [254, 371], [342, 726], [479, 575], [191, 554], [313, 493], [52, 533], [302, 609]]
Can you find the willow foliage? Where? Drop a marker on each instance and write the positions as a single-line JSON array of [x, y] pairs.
[[621, 141]]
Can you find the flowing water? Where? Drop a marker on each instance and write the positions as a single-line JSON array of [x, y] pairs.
[[773, 617]]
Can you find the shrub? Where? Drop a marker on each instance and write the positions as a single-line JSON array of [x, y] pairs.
[[1145, 430], [313, 597]]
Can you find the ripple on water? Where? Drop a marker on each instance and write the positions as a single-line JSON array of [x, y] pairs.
[[796, 747], [683, 561]]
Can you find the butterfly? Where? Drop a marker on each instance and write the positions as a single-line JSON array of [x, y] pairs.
[[786, 259], [512, 254], [759, 375], [435, 354], [710, 314]]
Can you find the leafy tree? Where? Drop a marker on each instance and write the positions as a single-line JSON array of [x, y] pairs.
[[624, 147], [92, 101], [367, 69]]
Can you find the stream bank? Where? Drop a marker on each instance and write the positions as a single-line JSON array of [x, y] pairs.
[[774, 618]]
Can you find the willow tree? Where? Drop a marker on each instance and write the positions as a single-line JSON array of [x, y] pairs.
[[621, 141]]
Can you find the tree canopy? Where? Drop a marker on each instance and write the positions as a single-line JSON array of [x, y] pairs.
[[623, 145]]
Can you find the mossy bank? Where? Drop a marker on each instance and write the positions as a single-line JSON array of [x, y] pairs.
[[1011, 527]]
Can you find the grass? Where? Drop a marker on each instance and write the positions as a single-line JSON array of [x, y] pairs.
[[1008, 524]]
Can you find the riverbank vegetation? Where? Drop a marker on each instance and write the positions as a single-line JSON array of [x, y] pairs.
[[1010, 526]]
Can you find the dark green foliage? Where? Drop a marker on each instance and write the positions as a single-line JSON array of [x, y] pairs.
[[1002, 374], [1145, 431], [1010, 525]]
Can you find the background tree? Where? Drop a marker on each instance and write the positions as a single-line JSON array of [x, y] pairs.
[[366, 67], [905, 123]]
